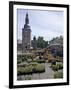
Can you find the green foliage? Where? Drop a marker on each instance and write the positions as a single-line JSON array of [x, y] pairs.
[[34, 63], [58, 75], [39, 68], [23, 58], [18, 61], [22, 65], [24, 70], [29, 69], [59, 59], [60, 66], [39, 61], [29, 60], [19, 57], [41, 43], [57, 67]]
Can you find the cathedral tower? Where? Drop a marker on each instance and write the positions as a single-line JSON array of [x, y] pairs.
[[26, 35]]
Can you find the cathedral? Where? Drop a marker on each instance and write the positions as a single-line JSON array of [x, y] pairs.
[[26, 35]]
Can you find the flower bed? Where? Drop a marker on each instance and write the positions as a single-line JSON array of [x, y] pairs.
[[58, 75], [57, 67], [29, 69]]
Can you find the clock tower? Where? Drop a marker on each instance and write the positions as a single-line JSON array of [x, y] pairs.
[[26, 35]]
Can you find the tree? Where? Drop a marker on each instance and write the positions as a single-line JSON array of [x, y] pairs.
[[34, 38], [41, 43], [34, 43], [46, 44]]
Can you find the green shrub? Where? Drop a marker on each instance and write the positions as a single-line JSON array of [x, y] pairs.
[[39, 68], [25, 70], [24, 58], [20, 70], [22, 64], [57, 67], [29, 69], [31, 56], [58, 60], [60, 66], [39, 61], [19, 57], [33, 63], [18, 61], [58, 75], [29, 60]]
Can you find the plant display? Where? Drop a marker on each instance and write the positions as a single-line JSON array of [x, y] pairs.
[[57, 67], [58, 75], [39, 61], [29, 69]]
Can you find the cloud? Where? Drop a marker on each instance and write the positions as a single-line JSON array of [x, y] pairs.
[[48, 24]]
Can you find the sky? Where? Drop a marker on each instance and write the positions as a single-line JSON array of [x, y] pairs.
[[48, 24]]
